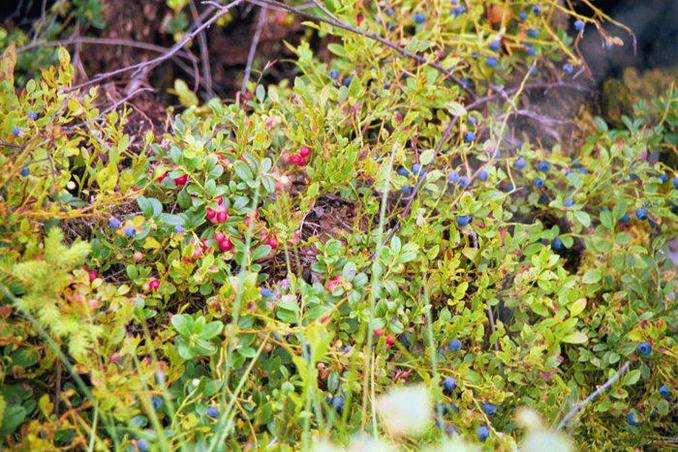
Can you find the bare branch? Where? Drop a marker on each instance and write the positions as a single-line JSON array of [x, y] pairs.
[[253, 48]]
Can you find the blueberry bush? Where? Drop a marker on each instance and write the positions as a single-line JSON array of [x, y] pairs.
[[370, 255]]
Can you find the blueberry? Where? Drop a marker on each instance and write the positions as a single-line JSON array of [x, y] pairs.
[[632, 419], [579, 25], [488, 408], [338, 403], [454, 345], [641, 214], [538, 183], [449, 385], [536, 9], [142, 445], [675, 182], [494, 46], [665, 392], [625, 218], [531, 52], [114, 223], [521, 163], [156, 402], [347, 80], [464, 181], [454, 408], [469, 137], [417, 169], [25, 171], [346, 349], [16, 131], [179, 229], [130, 231], [213, 411], [483, 433], [534, 71], [389, 12], [453, 177], [482, 175], [334, 74], [32, 115], [420, 18], [557, 244], [266, 292], [663, 178], [644, 349], [459, 10], [492, 62], [441, 408], [402, 171], [532, 33], [568, 68], [523, 15], [472, 120], [406, 190], [543, 199], [464, 220], [569, 202], [543, 166]]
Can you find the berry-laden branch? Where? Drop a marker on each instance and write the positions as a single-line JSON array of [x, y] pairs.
[[578, 407]]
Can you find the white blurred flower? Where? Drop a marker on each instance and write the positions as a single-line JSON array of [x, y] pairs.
[[325, 446], [541, 440], [405, 410], [456, 444], [365, 443], [528, 418]]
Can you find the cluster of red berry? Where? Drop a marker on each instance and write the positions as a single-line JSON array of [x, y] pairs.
[[178, 181], [218, 215], [300, 158]]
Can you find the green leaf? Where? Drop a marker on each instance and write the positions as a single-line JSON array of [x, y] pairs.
[[583, 218], [182, 323], [211, 329], [632, 377], [591, 277], [575, 338]]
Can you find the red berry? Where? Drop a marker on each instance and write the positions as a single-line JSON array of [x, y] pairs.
[[390, 340], [92, 275], [211, 214], [222, 216], [272, 241], [181, 180], [154, 284], [219, 236], [304, 152], [302, 161], [296, 159], [225, 244], [220, 200], [378, 333]]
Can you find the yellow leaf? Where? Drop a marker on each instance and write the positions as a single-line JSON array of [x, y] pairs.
[[46, 406], [575, 338], [151, 244], [7, 64], [577, 307]]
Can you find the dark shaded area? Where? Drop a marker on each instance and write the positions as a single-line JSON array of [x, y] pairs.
[[655, 24]]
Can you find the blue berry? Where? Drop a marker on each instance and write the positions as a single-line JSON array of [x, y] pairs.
[[16, 132], [568, 68], [114, 223], [464, 220], [441, 408], [454, 345], [338, 403], [402, 171], [213, 411], [482, 433], [420, 18], [521, 163], [492, 62], [347, 80], [625, 218], [534, 71], [543, 166], [523, 15], [25, 171], [663, 178], [266, 292], [644, 349], [417, 169], [406, 190], [579, 25], [494, 46], [334, 74], [454, 408], [641, 214], [536, 9], [557, 244], [449, 385], [531, 52], [453, 177], [469, 137], [130, 231], [346, 349], [675, 182], [543, 199], [32, 115], [569, 202], [389, 12], [464, 181], [632, 419], [179, 229], [156, 402], [665, 392], [532, 33], [482, 175], [142, 445], [459, 10], [488, 408], [538, 183]]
